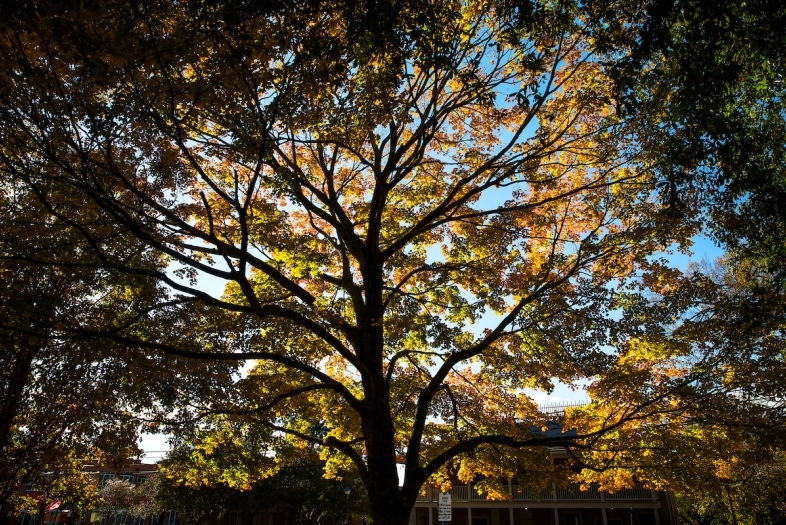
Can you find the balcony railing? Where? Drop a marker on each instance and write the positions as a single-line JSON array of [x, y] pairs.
[[463, 493], [521, 494], [638, 492], [574, 493]]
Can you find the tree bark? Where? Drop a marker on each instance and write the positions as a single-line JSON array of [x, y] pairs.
[[388, 504]]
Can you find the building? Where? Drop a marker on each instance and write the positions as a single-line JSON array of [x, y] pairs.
[[58, 513], [638, 505], [554, 505]]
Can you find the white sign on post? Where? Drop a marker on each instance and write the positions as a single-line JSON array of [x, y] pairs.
[[444, 510]]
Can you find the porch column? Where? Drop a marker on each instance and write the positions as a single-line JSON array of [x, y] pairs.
[[556, 516], [605, 521]]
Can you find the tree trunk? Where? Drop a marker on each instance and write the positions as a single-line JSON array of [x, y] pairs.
[[388, 504], [389, 512]]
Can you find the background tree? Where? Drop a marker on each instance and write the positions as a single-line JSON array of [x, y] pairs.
[[298, 492], [412, 227], [710, 77], [58, 404], [117, 496], [728, 419], [159, 495], [68, 395], [751, 494], [717, 71]]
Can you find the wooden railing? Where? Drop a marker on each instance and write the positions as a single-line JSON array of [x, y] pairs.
[[574, 493], [520, 494], [638, 492], [463, 493]]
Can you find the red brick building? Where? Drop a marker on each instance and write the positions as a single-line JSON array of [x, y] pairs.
[[53, 512]]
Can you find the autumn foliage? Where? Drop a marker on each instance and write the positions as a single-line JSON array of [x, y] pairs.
[[417, 210]]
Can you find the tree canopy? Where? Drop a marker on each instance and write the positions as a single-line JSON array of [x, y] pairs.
[[297, 493], [418, 209], [61, 400]]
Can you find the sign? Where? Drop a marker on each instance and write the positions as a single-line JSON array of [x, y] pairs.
[[53, 506], [444, 510]]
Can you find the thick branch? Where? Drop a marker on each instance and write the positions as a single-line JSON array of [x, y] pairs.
[[328, 381]]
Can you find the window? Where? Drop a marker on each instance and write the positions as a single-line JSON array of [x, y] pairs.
[[645, 518], [572, 518], [104, 478], [523, 517], [127, 477]]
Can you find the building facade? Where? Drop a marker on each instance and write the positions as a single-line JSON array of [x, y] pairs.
[[638, 505], [54, 512]]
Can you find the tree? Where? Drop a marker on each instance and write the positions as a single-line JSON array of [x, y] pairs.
[[67, 395], [298, 492], [56, 407], [717, 69], [413, 224], [116, 496], [751, 494], [727, 420], [159, 495]]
